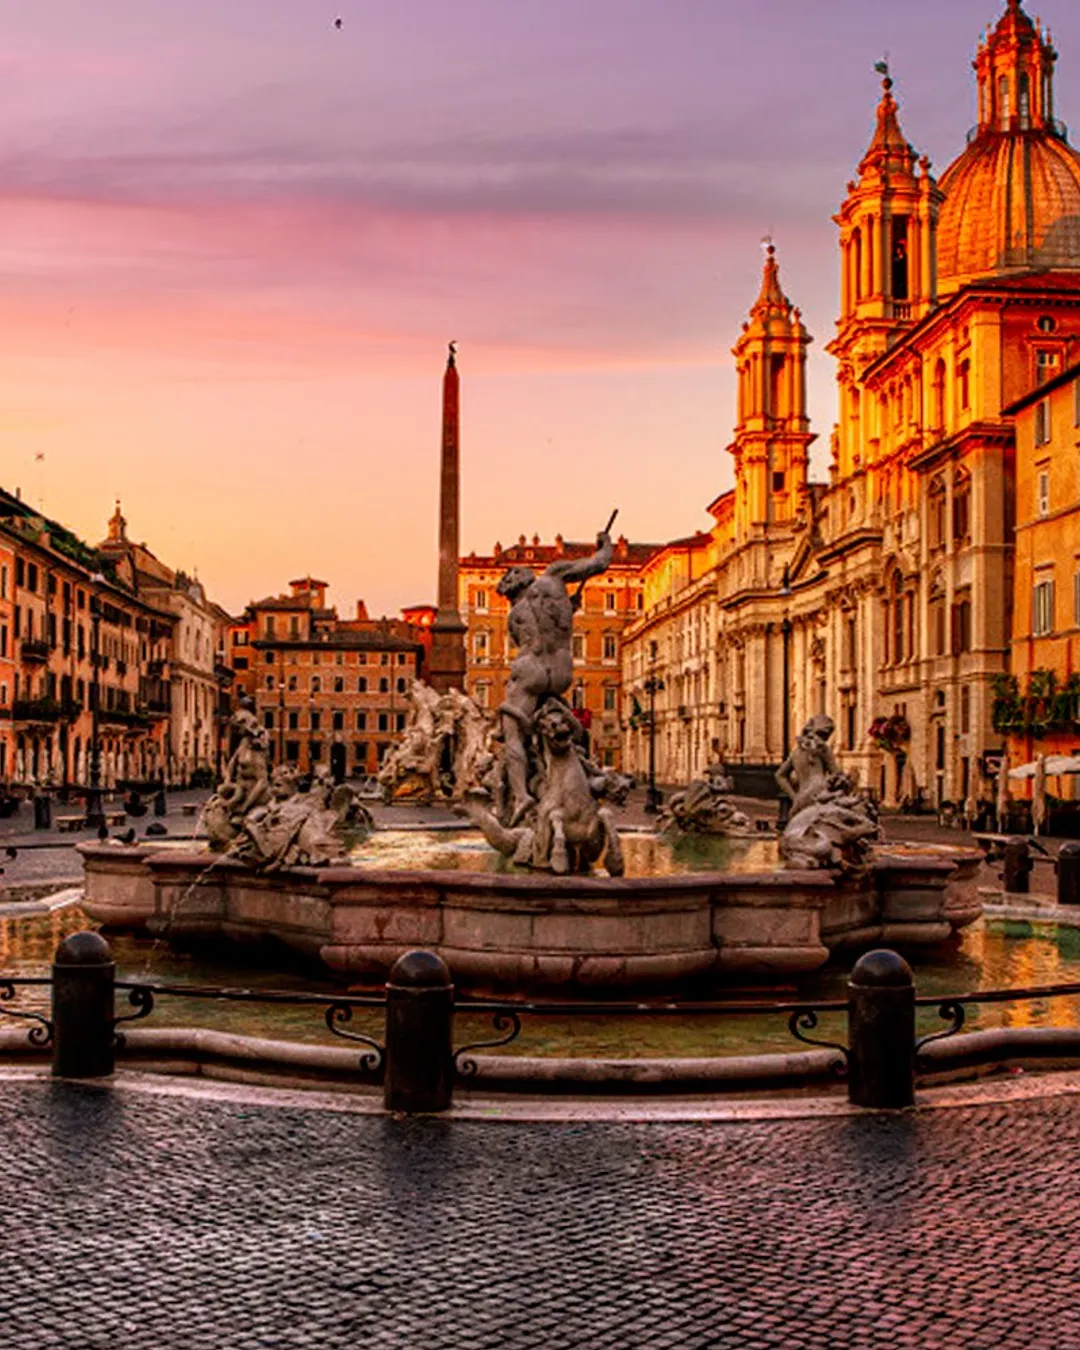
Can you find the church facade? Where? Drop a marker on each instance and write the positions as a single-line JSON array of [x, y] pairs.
[[882, 596]]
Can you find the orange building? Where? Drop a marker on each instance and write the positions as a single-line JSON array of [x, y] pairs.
[[609, 603], [75, 631], [1038, 703], [327, 690]]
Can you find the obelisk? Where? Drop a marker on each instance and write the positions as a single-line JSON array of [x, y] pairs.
[[447, 665]]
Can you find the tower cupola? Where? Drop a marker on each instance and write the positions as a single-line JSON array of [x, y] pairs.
[[772, 435]]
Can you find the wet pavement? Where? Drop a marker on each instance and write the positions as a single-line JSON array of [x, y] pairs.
[[178, 1223]]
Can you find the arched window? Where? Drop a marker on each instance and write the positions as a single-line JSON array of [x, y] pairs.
[[939, 396], [1003, 103], [961, 508], [936, 511], [856, 262], [1024, 101]]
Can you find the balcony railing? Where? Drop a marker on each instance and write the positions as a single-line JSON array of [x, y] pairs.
[[124, 717], [35, 650], [45, 710]]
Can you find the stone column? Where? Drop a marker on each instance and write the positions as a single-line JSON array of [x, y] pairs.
[[447, 663]]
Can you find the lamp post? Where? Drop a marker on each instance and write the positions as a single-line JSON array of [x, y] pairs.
[[95, 815], [653, 796], [784, 811]]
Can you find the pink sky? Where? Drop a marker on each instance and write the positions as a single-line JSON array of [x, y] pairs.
[[235, 242]]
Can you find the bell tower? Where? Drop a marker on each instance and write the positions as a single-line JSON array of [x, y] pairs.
[[888, 260], [772, 434]]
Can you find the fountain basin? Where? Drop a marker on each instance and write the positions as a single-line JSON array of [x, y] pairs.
[[536, 931]]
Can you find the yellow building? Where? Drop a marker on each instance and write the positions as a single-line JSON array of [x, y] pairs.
[[883, 595], [1038, 704], [608, 603]]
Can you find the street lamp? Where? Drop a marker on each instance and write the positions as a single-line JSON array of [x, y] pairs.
[[95, 815], [653, 797], [784, 811]]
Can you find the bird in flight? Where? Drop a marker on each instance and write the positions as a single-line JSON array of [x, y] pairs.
[[337, 23]]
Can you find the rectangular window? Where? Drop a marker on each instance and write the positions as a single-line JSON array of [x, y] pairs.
[[294, 721], [481, 600], [339, 685], [1042, 493], [403, 658], [402, 684], [268, 719], [611, 650], [1076, 599], [31, 576], [269, 628], [1042, 422], [1046, 365], [20, 572], [482, 694], [384, 722], [4, 634], [361, 721], [316, 721], [384, 685], [339, 721], [609, 602], [963, 379], [778, 480], [579, 646], [401, 721], [361, 684], [611, 695], [3, 582], [1042, 609]]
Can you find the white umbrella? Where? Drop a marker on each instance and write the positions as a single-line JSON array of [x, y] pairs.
[[1055, 766], [1038, 794]]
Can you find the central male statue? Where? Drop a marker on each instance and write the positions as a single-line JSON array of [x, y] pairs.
[[541, 624]]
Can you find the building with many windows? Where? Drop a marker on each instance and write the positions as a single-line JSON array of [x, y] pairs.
[[192, 682], [329, 691], [1038, 703], [881, 596], [76, 637], [608, 603]]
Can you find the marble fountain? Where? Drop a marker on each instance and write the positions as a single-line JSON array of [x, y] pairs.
[[523, 906]]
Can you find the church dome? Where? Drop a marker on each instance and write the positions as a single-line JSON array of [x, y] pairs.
[[1012, 202], [1012, 198]]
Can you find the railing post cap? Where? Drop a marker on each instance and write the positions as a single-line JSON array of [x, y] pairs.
[[420, 970], [882, 969], [84, 949]]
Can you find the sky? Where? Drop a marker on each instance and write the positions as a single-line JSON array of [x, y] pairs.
[[235, 240]]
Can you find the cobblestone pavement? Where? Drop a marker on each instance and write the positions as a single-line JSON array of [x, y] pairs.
[[179, 1223]]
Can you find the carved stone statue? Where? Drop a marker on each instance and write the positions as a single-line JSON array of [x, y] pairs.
[[568, 830], [703, 808], [444, 750], [832, 823], [244, 786], [541, 623], [301, 829]]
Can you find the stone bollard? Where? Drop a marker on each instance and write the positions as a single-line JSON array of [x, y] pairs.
[[160, 806], [1068, 875], [1016, 872], [419, 1034], [881, 1032], [83, 1007]]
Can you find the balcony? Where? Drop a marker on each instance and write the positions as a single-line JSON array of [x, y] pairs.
[[45, 710], [34, 651], [156, 670], [124, 717], [156, 707]]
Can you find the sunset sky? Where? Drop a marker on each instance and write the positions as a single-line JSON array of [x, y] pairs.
[[235, 241]]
